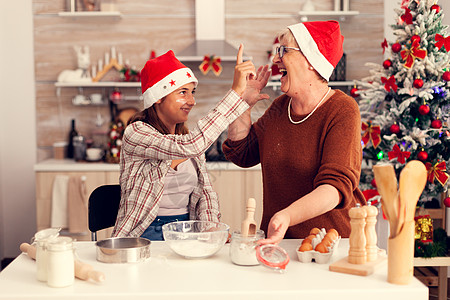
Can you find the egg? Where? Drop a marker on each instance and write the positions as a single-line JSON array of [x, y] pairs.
[[306, 241], [311, 236], [314, 231], [333, 233], [326, 242], [305, 247], [321, 248], [328, 238]]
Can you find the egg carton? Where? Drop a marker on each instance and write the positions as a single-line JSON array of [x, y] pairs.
[[318, 257]]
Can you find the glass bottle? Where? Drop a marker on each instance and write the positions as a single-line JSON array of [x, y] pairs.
[[41, 238], [73, 132], [60, 262], [242, 248]]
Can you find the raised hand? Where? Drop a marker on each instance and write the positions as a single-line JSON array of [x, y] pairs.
[[252, 93], [242, 72]]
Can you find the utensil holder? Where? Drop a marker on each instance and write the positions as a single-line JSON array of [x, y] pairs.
[[401, 255]]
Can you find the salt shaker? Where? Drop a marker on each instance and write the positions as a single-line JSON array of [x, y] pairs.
[[41, 239], [242, 248], [60, 263]]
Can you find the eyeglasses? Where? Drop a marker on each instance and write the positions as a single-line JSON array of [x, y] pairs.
[[281, 50]]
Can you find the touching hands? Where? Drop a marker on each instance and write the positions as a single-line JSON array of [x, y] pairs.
[[277, 228], [252, 93], [242, 72]]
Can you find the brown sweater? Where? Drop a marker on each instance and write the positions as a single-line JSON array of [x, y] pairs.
[[295, 159]]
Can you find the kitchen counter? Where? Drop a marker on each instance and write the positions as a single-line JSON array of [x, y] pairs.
[[70, 165], [168, 276]]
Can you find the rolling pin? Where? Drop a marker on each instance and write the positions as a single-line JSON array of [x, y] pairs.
[[82, 271]]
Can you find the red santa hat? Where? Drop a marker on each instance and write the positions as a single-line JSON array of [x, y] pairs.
[[163, 75], [322, 44]]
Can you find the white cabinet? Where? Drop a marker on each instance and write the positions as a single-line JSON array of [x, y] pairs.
[[234, 187], [44, 188]]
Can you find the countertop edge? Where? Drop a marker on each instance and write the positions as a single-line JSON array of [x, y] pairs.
[[69, 165]]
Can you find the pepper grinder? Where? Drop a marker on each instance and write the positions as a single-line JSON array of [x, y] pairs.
[[357, 239], [371, 234]]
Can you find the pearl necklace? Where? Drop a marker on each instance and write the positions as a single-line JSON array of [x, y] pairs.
[[309, 115]]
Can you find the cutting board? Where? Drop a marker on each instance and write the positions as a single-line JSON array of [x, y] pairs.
[[343, 266]]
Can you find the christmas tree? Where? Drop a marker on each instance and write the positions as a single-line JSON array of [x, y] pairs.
[[404, 103]]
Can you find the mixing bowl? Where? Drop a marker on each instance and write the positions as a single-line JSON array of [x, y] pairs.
[[123, 250], [195, 239]]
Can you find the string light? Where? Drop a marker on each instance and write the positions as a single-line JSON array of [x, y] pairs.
[[380, 155]]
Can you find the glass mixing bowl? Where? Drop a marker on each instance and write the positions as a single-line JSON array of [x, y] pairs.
[[195, 239]]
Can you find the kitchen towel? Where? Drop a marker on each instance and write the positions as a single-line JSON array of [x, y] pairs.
[[77, 205], [59, 201]]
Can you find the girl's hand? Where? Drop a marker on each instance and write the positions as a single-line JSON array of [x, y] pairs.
[[242, 72]]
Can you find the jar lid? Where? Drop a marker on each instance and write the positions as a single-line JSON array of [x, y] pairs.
[[60, 243], [272, 256], [45, 234]]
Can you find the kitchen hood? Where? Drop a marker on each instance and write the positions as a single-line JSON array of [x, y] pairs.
[[209, 34]]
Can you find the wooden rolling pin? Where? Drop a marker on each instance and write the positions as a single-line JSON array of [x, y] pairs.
[[82, 271]]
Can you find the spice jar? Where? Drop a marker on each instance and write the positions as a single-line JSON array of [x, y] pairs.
[[41, 239], [60, 263], [242, 248]]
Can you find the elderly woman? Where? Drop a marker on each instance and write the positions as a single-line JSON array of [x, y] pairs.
[[308, 140]]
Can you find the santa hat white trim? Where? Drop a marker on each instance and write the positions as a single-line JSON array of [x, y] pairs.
[[311, 50], [167, 85]]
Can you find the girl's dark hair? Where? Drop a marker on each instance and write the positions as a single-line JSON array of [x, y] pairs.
[[150, 117]]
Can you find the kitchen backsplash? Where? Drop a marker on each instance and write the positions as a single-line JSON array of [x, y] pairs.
[[156, 25]]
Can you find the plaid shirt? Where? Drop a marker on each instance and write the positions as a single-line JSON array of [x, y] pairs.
[[145, 159]]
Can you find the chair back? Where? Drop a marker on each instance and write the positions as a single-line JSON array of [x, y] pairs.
[[103, 207]]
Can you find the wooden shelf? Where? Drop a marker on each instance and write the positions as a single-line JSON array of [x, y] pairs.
[[276, 84], [91, 84], [331, 13], [440, 261], [98, 84], [90, 14]]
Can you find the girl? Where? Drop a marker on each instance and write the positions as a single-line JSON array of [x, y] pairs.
[[163, 174]]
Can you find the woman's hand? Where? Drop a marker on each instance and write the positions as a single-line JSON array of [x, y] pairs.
[[242, 72], [252, 93], [278, 226]]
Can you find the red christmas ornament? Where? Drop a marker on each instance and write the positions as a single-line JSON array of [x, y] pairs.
[[394, 128], [422, 155], [424, 109], [353, 92], [387, 63], [373, 183], [418, 83], [415, 38], [436, 124], [116, 96], [436, 7], [396, 47], [446, 76], [447, 202]]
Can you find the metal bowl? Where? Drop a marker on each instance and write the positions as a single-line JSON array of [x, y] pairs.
[[195, 239], [123, 250]]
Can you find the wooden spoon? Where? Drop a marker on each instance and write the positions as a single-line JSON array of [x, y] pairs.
[[412, 182], [248, 226], [387, 187]]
